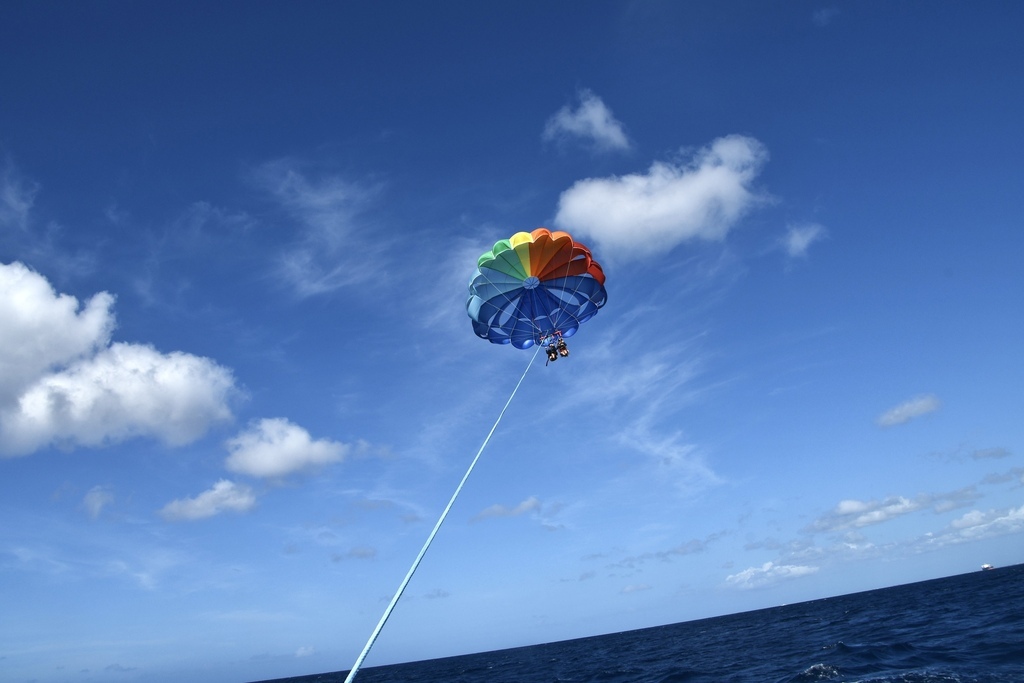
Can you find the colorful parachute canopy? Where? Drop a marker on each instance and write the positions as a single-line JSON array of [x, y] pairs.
[[534, 285]]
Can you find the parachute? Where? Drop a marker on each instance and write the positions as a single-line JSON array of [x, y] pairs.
[[534, 286]]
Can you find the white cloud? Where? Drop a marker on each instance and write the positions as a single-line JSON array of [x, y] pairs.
[[274, 447], [330, 253], [635, 588], [124, 391], [641, 214], [531, 504], [855, 513], [908, 410], [591, 121], [976, 524], [224, 495], [768, 573], [799, 238], [40, 329], [96, 499], [63, 383], [305, 651]]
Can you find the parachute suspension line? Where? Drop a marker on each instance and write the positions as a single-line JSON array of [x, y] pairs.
[[575, 289], [423, 551]]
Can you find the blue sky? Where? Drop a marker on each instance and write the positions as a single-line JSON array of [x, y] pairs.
[[238, 383]]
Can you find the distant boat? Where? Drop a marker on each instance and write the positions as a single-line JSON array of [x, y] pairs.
[[987, 567]]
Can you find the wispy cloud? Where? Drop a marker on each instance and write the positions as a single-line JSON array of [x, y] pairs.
[[849, 521], [38, 242], [591, 121], [96, 499], [857, 513], [531, 504], [16, 198], [799, 238], [767, 574], [659, 369], [675, 460], [976, 524], [824, 16], [223, 496], [331, 251], [690, 547], [990, 453], [909, 410], [1015, 474], [275, 447], [76, 557], [361, 552], [200, 231], [638, 215]]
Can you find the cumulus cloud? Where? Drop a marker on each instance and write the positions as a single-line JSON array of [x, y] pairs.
[[531, 504], [766, 574], [592, 121], [275, 447], [96, 499], [908, 410], [124, 391], [638, 215], [329, 253], [225, 495], [798, 238], [63, 383], [42, 329]]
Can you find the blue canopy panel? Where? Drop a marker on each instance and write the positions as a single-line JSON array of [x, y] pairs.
[[504, 311]]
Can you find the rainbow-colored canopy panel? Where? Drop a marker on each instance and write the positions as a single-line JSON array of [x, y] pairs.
[[534, 285]]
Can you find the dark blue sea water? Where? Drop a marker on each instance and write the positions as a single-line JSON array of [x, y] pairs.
[[961, 629]]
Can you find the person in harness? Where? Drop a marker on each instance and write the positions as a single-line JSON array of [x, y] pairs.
[[563, 350], [552, 352]]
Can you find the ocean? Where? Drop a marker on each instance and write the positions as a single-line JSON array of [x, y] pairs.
[[960, 629]]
